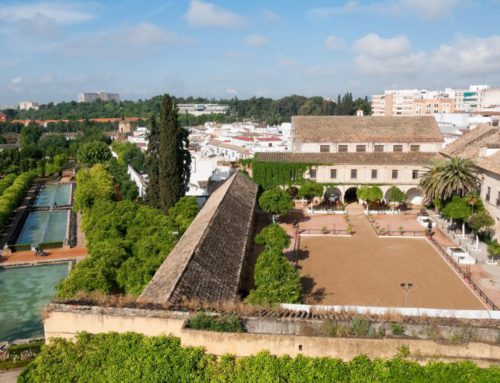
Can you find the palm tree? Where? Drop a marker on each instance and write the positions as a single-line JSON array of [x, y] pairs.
[[458, 178], [429, 180]]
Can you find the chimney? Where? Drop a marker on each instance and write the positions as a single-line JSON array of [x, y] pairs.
[[360, 113]]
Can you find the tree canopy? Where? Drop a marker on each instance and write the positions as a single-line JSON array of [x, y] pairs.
[[457, 208], [310, 189], [369, 194], [395, 194], [93, 152], [276, 201]]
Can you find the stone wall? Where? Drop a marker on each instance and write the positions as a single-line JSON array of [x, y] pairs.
[[280, 336]]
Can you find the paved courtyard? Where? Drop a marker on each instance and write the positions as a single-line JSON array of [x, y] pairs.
[[367, 270]]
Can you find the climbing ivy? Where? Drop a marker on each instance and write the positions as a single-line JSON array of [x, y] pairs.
[[271, 174]]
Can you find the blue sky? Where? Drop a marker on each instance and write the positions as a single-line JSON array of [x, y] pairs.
[[51, 51]]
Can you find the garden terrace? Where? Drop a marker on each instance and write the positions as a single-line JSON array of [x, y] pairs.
[[208, 261]]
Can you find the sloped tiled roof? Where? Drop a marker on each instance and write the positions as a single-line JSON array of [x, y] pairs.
[[207, 262], [365, 129], [490, 163], [367, 158], [467, 145], [226, 145]]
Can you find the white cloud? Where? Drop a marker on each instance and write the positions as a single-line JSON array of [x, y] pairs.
[[124, 41], [256, 40], [375, 46], [270, 16], [231, 91], [59, 12], [464, 57], [288, 63], [424, 9], [332, 43], [201, 14]]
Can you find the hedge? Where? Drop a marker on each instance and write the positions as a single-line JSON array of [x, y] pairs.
[[131, 357], [6, 181], [20, 247], [12, 196], [51, 245]]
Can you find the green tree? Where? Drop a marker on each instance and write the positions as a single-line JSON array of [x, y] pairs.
[[30, 135], [369, 194], [310, 189], [153, 164], [174, 158], [395, 194], [457, 209], [183, 213], [273, 236], [276, 201], [458, 178], [92, 185], [53, 145], [94, 152], [479, 220]]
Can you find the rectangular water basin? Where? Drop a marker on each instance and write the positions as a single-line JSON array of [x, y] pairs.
[[25, 291], [54, 194], [44, 226]]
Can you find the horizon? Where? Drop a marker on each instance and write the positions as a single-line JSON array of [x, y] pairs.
[[54, 50]]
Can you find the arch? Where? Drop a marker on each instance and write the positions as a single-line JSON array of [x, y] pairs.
[[332, 194], [414, 196], [350, 195]]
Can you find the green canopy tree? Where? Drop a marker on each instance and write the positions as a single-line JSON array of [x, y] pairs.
[[458, 178], [395, 194], [30, 135], [276, 201], [479, 220], [369, 194], [92, 185], [94, 152], [310, 189], [458, 209], [174, 158]]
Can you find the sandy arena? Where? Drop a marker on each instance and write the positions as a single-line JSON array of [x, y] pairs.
[[366, 270]]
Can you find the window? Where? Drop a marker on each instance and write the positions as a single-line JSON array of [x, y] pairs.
[[343, 148], [354, 174], [414, 174], [397, 148], [378, 148], [324, 148], [414, 148], [333, 173], [270, 144], [361, 148], [394, 174], [312, 173], [374, 174], [488, 193]]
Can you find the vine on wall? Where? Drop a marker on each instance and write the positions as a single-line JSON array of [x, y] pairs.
[[271, 174]]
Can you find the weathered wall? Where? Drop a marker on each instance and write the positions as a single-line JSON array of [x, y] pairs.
[[65, 322]]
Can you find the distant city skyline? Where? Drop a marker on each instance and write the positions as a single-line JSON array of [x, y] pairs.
[[52, 51]]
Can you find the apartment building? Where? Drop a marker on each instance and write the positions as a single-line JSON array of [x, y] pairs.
[[103, 96], [28, 105]]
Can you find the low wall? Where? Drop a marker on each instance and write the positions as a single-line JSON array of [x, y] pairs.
[[66, 321]]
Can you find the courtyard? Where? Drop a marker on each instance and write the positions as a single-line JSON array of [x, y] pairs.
[[367, 270]]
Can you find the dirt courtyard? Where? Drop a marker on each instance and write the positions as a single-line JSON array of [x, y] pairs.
[[366, 270]]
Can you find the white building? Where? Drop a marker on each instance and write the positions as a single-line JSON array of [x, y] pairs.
[[139, 137], [28, 105], [103, 96], [201, 109]]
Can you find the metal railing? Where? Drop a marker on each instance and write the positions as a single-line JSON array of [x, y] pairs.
[[323, 232], [463, 274], [403, 233]]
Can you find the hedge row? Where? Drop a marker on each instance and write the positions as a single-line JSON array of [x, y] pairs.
[[134, 358], [6, 181], [12, 196]]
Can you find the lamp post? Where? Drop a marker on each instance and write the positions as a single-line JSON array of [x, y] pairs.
[[406, 286]]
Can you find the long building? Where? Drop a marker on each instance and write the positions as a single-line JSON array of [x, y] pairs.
[[349, 152]]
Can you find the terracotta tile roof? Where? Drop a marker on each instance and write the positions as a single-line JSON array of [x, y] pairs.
[[266, 139], [225, 145], [365, 129], [490, 163], [468, 144], [376, 158], [243, 138], [207, 262]]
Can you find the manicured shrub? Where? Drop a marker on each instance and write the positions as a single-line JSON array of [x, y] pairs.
[[129, 357], [223, 323], [12, 197]]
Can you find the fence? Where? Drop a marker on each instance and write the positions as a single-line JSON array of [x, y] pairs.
[[402, 233], [323, 231], [463, 274]]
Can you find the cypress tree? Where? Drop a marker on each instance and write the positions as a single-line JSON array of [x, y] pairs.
[[153, 188], [174, 158]]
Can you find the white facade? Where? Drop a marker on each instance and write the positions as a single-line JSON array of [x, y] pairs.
[[103, 96], [201, 109], [28, 105]]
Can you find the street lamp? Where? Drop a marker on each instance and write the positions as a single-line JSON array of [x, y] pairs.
[[406, 286]]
